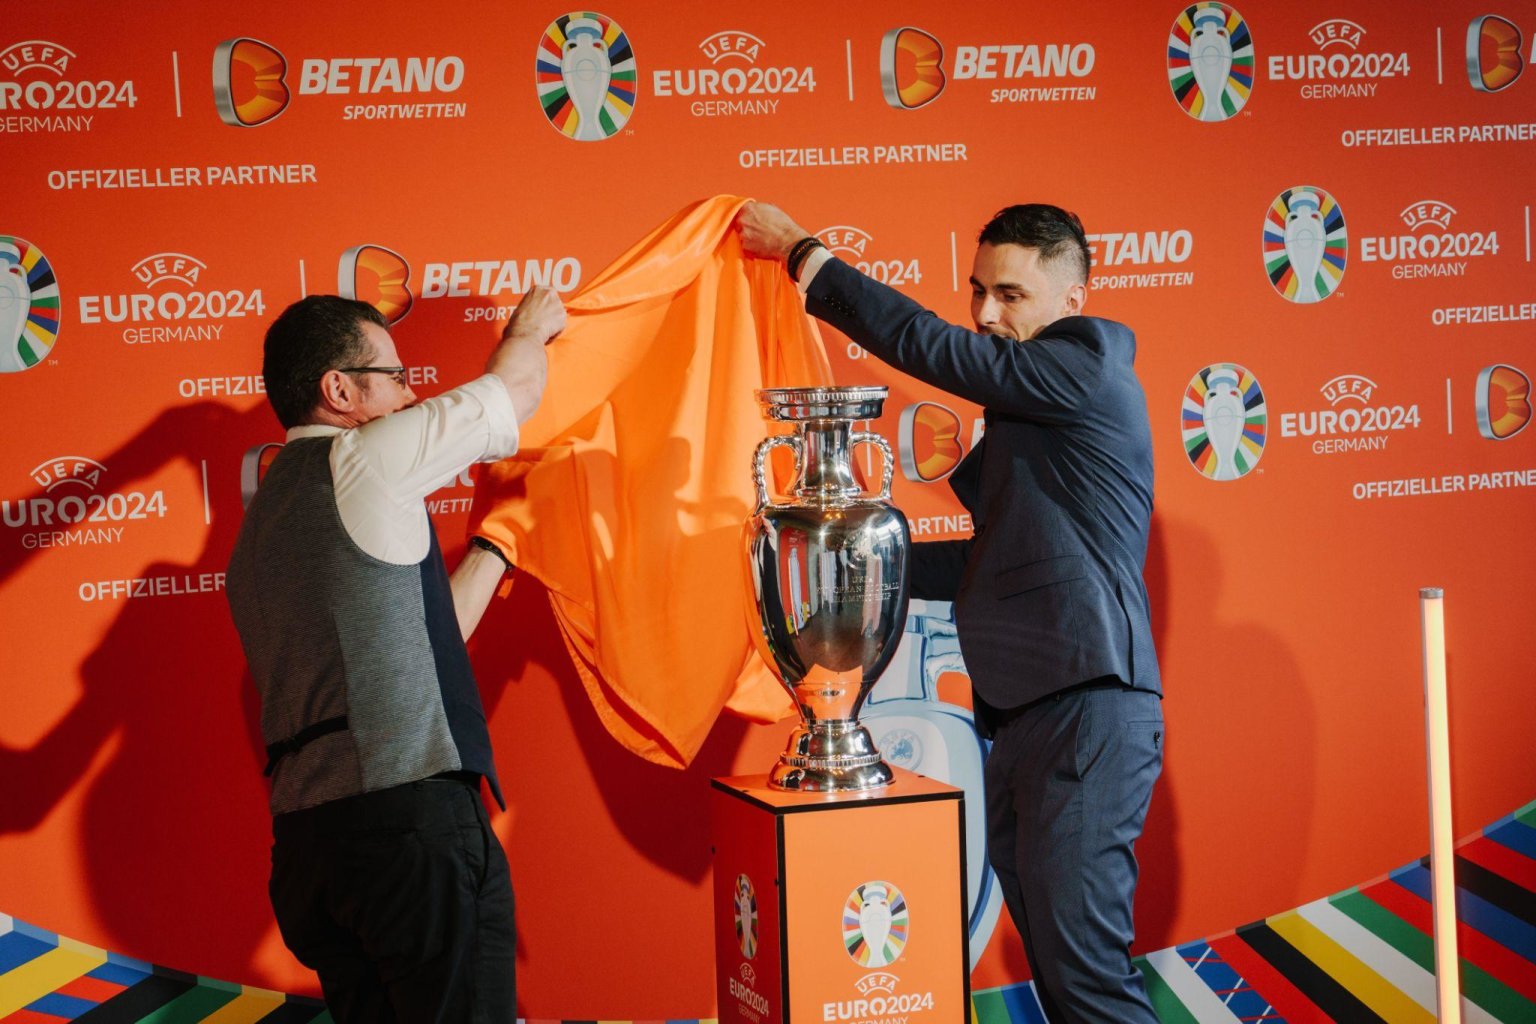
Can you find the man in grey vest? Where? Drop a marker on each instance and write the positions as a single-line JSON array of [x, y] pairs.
[[386, 880]]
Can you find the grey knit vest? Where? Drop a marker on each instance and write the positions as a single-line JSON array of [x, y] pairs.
[[331, 631]]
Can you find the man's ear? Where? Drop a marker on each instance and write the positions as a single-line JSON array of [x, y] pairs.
[[338, 392], [1073, 302]]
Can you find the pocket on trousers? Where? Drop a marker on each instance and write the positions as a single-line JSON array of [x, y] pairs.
[[387, 889], [1145, 737]]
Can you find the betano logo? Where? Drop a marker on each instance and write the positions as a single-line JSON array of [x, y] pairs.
[[929, 441], [1210, 61], [381, 277], [29, 305], [1431, 249], [744, 907], [1305, 245], [173, 306], [875, 924], [1110, 250], [1224, 422], [249, 82], [378, 276], [586, 76], [1493, 53], [911, 68], [38, 67], [735, 75], [1503, 402], [912, 71]]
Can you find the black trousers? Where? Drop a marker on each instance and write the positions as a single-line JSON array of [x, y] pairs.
[[1068, 782], [401, 902]]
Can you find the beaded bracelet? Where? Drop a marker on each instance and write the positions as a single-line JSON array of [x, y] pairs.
[[798, 254]]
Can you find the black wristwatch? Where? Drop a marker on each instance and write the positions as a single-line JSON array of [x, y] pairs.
[[477, 541]]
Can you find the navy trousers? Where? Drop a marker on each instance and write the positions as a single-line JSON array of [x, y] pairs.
[[401, 901], [1068, 782]]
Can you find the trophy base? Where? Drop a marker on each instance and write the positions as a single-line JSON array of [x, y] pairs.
[[831, 757], [811, 779]]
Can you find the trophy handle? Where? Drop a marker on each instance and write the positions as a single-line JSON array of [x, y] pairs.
[[869, 437], [760, 463]]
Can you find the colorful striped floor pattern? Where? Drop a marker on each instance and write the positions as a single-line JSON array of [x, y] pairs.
[[1363, 955]]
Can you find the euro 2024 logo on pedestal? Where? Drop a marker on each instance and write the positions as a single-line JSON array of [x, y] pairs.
[[29, 305], [586, 76], [875, 924], [1210, 61], [745, 913], [1305, 244], [1224, 422]]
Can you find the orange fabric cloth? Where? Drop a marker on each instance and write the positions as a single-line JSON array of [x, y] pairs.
[[628, 495]]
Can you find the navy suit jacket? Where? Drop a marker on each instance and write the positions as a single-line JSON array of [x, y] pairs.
[[1048, 592]]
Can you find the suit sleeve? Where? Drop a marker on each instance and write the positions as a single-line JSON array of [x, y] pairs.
[[936, 568], [1048, 379]]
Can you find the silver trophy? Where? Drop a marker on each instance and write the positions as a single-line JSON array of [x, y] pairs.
[[828, 572]]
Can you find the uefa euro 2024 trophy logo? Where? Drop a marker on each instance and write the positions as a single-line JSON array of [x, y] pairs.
[[29, 305]]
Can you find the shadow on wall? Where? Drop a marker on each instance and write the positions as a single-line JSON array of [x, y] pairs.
[[174, 828], [1236, 705]]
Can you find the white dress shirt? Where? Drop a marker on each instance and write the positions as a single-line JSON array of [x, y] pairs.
[[810, 265], [385, 468]]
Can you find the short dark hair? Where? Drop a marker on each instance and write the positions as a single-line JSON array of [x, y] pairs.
[[315, 334], [1055, 233]]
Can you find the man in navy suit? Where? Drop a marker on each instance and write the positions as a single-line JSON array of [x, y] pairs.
[[1049, 600]]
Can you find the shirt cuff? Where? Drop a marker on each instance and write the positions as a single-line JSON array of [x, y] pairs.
[[502, 435], [812, 263]]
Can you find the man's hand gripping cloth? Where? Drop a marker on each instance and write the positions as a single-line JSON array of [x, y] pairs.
[[628, 496]]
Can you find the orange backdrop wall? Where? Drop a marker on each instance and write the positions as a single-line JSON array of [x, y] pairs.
[[174, 174]]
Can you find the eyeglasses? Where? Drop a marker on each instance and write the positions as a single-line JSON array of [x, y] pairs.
[[395, 373]]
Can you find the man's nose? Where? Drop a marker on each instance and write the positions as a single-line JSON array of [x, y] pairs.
[[989, 310]]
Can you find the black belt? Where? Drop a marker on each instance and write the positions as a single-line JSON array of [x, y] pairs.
[[293, 744]]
